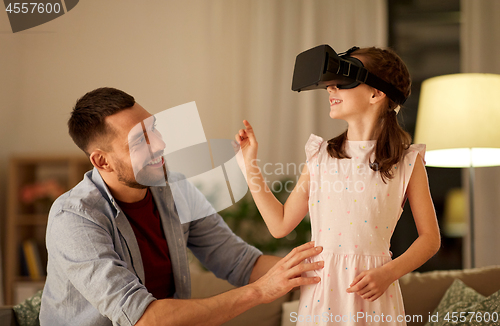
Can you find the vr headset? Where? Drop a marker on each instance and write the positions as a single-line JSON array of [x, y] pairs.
[[321, 66]]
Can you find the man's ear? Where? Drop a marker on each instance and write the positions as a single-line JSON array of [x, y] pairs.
[[100, 160], [377, 96]]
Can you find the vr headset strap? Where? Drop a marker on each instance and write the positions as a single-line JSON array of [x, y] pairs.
[[392, 92], [362, 75]]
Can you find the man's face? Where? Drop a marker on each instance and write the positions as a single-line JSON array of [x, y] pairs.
[[137, 155]]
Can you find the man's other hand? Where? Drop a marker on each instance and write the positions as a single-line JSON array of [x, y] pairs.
[[287, 273]]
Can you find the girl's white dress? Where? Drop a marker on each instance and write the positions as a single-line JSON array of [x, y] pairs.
[[353, 215]]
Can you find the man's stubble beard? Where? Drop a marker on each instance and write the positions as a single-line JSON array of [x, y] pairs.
[[130, 180]]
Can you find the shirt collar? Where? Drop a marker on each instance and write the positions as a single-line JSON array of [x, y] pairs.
[[103, 188]]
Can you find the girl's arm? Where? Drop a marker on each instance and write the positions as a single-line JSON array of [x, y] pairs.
[[280, 219], [429, 239], [372, 284]]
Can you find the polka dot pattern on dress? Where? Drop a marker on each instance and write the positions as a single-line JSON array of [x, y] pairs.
[[363, 212]]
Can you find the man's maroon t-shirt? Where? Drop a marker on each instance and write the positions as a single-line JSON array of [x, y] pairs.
[[146, 223]]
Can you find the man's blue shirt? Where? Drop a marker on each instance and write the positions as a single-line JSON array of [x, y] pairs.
[[95, 274]]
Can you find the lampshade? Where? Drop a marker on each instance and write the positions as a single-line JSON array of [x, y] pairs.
[[459, 120]]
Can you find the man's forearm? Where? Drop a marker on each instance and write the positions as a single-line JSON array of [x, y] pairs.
[[210, 311], [279, 280], [262, 265]]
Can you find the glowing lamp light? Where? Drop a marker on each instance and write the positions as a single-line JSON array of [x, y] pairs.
[[459, 121]]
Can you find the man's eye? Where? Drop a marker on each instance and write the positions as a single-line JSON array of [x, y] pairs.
[[139, 141]]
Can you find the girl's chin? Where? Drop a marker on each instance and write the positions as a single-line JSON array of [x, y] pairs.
[[334, 115]]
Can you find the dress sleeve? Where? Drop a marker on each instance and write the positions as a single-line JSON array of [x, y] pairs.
[[409, 163], [312, 146]]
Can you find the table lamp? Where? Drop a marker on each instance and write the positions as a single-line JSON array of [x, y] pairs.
[[459, 121]]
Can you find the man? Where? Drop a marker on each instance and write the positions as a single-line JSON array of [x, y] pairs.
[[117, 249]]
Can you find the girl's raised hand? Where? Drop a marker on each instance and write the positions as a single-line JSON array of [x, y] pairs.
[[248, 142], [371, 284]]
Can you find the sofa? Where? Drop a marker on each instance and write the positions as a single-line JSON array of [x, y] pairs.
[[422, 293]]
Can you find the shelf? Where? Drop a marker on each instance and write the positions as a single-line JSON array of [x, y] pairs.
[[24, 288], [32, 220], [28, 280], [28, 222]]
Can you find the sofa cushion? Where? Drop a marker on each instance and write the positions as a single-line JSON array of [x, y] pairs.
[[27, 311], [422, 292], [460, 301]]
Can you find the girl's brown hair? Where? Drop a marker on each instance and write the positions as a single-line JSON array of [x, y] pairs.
[[392, 140]]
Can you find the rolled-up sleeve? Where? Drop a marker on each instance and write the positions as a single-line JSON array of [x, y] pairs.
[[83, 251]]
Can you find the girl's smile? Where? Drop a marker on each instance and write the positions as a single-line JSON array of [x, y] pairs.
[[334, 101]]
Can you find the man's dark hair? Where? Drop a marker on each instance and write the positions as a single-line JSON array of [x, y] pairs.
[[87, 124]]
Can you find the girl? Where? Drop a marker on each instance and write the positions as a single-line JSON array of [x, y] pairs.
[[354, 186]]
